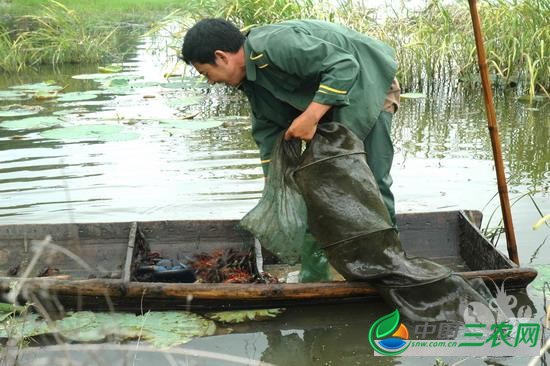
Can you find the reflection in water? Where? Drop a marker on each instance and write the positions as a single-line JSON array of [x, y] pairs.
[[451, 124]]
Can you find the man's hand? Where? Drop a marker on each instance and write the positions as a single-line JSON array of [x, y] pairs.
[[305, 125]]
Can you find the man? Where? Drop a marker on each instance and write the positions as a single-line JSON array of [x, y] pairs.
[[299, 73]]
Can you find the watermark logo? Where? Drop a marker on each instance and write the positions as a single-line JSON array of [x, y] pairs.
[[388, 336], [489, 329]]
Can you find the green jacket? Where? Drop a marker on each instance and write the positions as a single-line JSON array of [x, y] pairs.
[[291, 64]]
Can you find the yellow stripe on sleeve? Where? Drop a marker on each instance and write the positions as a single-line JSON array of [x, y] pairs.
[[265, 161], [263, 66], [332, 89], [256, 57]]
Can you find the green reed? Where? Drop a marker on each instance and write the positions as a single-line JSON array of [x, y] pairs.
[[436, 43], [55, 36], [9, 50], [54, 33]]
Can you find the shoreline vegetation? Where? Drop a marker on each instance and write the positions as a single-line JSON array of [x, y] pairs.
[[434, 45]]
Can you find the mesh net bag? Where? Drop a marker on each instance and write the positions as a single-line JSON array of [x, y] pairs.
[[279, 220]]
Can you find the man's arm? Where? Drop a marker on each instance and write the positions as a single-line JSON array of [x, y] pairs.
[[298, 53], [305, 125]]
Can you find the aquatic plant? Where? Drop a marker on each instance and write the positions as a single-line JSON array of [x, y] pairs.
[[60, 35], [10, 51], [56, 34], [251, 12], [435, 43]]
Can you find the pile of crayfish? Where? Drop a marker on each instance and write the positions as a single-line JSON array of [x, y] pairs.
[[229, 266]]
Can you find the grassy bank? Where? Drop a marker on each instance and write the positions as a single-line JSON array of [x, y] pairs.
[[36, 32], [119, 10]]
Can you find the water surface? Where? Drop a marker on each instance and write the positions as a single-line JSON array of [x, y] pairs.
[[183, 150]]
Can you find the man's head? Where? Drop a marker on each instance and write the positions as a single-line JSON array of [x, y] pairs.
[[215, 48]]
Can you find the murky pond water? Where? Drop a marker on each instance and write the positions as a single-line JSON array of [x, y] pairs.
[[137, 146]]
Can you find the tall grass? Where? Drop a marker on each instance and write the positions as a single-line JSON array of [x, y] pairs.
[[102, 10], [9, 51], [62, 36], [55, 36], [436, 43], [433, 44], [54, 33]]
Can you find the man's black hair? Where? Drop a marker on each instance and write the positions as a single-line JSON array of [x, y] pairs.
[[207, 36]]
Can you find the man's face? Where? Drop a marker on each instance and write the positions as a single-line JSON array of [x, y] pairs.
[[227, 69]]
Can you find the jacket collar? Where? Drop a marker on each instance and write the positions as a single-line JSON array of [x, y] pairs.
[[249, 64]]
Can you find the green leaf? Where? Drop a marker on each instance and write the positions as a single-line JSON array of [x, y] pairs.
[[19, 327], [31, 123], [161, 329], [117, 83], [16, 110], [38, 87], [91, 132], [387, 324], [166, 329], [10, 308], [109, 69], [86, 326], [185, 101], [45, 95], [412, 95], [543, 274], [240, 316], [10, 95]]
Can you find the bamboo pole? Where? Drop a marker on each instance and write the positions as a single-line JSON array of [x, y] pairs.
[[493, 132]]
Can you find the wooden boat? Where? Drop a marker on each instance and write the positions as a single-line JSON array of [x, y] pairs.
[[107, 251]]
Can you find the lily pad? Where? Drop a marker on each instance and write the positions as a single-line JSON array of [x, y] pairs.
[[16, 110], [543, 275], [86, 326], [191, 125], [31, 123], [117, 83], [167, 329], [45, 95], [19, 327], [90, 132], [413, 95], [76, 96], [185, 101], [38, 87], [161, 329], [109, 69], [240, 316], [9, 95]]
